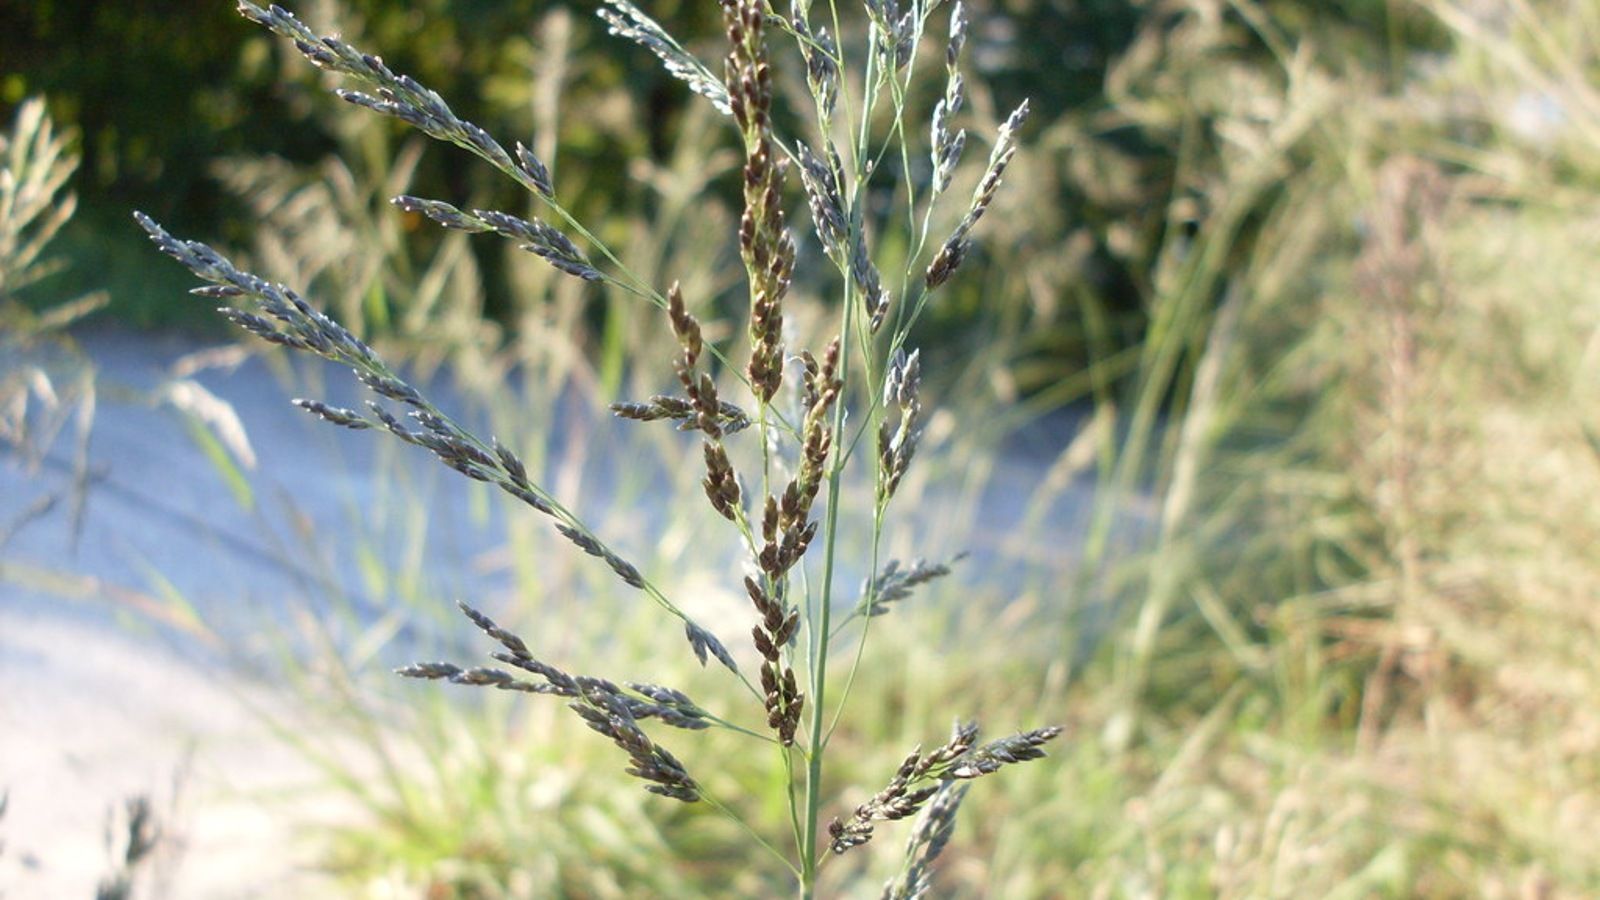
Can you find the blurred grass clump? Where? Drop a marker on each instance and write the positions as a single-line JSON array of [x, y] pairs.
[[1322, 278], [46, 381]]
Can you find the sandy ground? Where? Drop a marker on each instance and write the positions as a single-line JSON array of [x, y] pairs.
[[97, 704], [91, 718]]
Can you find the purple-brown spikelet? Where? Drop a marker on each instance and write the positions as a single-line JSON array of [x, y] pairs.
[[777, 628], [764, 241], [721, 483], [956, 759], [786, 526]]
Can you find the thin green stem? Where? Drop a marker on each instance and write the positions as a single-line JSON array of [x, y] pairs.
[[724, 723], [819, 628], [866, 626], [719, 806], [794, 804]]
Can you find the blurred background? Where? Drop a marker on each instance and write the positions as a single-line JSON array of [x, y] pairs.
[[1267, 415]]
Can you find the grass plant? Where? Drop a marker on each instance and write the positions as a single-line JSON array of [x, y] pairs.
[[796, 444]]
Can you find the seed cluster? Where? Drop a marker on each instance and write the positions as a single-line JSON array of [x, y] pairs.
[[821, 181], [864, 272], [786, 524], [956, 759], [777, 628], [721, 484], [533, 235], [400, 96], [895, 32], [821, 54], [731, 418], [764, 241], [954, 250], [603, 705], [894, 584], [946, 145], [607, 714], [897, 439], [705, 644]]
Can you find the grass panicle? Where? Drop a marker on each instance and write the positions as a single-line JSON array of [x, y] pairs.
[[294, 323], [955, 248], [730, 419], [929, 835], [647, 701], [628, 21], [532, 235], [895, 583], [897, 442], [764, 240], [607, 713], [803, 447], [956, 759]]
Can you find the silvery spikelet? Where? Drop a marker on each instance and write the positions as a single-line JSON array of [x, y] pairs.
[[897, 440], [955, 247], [947, 145], [628, 21]]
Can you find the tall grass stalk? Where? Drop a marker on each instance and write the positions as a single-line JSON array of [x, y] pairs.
[[813, 413]]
